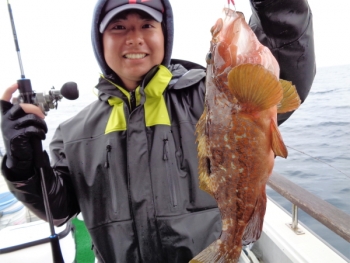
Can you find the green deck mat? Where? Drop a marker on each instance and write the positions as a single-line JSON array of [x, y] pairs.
[[82, 238]]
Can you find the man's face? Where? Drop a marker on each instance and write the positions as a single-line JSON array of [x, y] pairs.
[[132, 46]]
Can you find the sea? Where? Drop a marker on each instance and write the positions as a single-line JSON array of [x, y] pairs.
[[318, 139]]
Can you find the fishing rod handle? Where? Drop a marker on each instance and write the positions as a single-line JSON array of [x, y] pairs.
[[25, 90], [56, 250], [28, 96]]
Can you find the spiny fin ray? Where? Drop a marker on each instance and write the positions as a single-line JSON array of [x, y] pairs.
[[255, 87], [291, 100]]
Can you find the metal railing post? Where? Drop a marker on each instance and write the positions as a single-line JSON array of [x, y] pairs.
[[294, 217]]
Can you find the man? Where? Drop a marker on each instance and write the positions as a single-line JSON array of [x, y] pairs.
[[127, 162]]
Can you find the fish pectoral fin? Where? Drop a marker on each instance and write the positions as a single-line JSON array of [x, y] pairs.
[[255, 87], [278, 146], [291, 100], [253, 229]]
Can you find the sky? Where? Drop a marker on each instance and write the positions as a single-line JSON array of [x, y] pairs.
[[54, 37]]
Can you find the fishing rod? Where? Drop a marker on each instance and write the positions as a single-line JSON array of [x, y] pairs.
[[44, 102]]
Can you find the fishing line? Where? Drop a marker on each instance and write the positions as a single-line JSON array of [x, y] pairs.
[[319, 160]]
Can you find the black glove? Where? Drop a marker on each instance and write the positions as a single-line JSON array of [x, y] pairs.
[[18, 128]]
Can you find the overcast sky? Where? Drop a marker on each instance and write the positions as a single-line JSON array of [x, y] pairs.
[[54, 37]]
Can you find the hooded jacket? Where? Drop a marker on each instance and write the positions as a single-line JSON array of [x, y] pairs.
[[133, 172], [136, 175]]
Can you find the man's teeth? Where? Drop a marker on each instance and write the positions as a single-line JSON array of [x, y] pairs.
[[135, 56]]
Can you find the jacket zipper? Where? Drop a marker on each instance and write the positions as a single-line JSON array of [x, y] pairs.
[[169, 174], [112, 186], [132, 100]]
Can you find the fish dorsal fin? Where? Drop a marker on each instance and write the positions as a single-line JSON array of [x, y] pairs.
[[255, 87], [291, 100], [278, 146]]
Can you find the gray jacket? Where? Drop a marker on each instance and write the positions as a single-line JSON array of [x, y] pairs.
[[136, 185], [137, 188]]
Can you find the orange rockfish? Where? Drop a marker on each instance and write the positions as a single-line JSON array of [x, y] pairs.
[[237, 135]]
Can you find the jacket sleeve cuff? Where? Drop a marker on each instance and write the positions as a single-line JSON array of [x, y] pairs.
[[17, 175]]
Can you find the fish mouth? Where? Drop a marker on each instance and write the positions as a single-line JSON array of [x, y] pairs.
[[135, 55]]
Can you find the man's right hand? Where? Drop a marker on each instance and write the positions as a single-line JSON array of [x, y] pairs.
[[20, 123]]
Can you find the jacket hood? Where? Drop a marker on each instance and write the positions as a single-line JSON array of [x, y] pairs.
[[96, 36]]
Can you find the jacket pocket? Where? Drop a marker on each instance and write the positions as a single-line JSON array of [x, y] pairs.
[[111, 179], [169, 172]]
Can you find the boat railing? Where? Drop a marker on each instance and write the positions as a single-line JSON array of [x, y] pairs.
[[324, 212]]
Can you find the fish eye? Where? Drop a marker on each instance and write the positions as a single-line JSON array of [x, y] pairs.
[[208, 57]]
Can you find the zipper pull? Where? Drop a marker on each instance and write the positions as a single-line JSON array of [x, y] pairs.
[[108, 150], [165, 153]]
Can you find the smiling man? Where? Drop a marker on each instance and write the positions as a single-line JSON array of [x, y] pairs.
[[133, 43], [128, 161]]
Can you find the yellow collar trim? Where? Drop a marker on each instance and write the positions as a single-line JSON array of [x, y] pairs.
[[156, 112]]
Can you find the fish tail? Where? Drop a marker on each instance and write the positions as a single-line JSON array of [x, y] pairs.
[[210, 255], [255, 87]]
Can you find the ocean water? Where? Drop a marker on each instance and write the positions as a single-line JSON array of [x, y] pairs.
[[318, 137]]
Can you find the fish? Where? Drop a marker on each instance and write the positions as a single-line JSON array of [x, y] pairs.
[[237, 134]]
